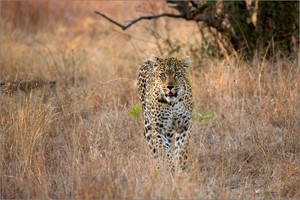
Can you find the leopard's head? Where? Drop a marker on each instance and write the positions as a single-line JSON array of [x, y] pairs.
[[170, 75]]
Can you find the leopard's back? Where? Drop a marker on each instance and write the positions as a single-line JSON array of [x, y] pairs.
[[144, 81]]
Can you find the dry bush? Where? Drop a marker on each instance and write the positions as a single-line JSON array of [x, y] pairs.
[[76, 139]]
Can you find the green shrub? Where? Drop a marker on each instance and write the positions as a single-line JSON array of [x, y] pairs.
[[135, 113], [201, 114]]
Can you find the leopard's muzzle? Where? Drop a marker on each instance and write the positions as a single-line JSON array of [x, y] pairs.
[[171, 93]]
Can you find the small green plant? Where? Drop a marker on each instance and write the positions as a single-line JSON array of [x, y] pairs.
[[135, 112], [202, 114]]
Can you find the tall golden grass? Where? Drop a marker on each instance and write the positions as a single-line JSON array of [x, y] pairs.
[[75, 139]]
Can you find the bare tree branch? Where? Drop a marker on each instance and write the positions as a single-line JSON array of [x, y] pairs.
[[195, 11], [124, 27]]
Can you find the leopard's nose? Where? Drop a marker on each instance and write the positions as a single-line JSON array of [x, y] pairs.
[[170, 87]]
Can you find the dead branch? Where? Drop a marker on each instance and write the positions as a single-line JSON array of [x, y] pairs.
[[124, 27], [189, 10]]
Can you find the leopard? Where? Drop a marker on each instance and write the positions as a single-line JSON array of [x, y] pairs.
[[167, 102]]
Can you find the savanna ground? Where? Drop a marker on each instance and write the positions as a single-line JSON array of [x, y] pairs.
[[68, 86]]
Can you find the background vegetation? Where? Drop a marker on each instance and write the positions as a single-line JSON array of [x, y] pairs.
[[70, 124], [246, 27]]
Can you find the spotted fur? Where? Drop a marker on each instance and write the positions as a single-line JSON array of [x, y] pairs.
[[166, 97]]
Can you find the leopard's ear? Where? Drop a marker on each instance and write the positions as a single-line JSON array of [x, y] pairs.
[[153, 58], [186, 62]]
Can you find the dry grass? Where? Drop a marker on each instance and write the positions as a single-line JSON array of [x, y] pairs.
[[75, 139]]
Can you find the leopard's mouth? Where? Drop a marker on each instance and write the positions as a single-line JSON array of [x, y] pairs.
[[171, 94]]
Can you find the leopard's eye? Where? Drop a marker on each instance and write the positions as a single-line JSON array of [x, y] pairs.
[[162, 77]]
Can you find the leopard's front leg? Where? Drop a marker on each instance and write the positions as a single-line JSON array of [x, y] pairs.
[[181, 143], [160, 145]]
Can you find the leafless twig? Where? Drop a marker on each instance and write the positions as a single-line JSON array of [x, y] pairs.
[[124, 27]]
